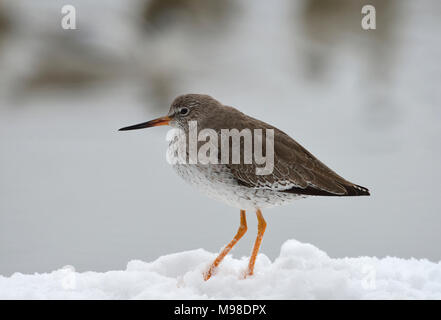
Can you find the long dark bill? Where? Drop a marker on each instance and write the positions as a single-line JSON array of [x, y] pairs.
[[163, 121]]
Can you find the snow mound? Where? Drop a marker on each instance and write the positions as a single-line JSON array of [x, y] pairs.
[[301, 271]]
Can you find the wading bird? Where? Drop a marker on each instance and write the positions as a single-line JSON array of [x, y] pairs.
[[296, 173]]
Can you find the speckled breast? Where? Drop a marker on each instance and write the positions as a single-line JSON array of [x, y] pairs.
[[217, 181]]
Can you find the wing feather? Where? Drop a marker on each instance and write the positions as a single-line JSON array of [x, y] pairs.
[[296, 170]]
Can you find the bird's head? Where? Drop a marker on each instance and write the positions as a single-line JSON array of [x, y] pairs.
[[185, 108]]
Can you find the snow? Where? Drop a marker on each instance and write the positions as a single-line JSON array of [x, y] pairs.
[[301, 271]]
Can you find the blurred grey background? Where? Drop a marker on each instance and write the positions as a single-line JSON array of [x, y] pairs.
[[75, 191]]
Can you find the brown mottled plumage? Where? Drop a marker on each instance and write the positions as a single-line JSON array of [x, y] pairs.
[[296, 173], [292, 162]]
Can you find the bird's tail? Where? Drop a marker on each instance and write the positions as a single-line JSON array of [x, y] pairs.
[[356, 190]]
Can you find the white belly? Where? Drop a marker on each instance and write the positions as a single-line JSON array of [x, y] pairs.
[[217, 182]]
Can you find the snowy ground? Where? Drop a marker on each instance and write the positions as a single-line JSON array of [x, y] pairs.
[[301, 271]]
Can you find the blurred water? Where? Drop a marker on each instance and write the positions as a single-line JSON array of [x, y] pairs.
[[75, 191]]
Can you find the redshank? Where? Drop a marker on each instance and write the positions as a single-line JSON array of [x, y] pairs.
[[294, 173]]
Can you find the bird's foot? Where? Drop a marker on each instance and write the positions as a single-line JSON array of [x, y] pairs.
[[207, 274], [246, 274]]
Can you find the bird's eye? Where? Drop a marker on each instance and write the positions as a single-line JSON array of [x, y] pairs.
[[184, 111]]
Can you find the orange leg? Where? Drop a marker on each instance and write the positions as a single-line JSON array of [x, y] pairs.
[[240, 232], [260, 231]]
